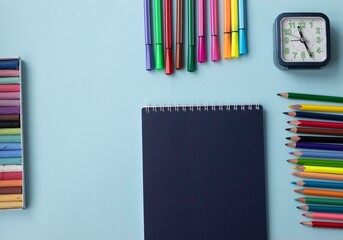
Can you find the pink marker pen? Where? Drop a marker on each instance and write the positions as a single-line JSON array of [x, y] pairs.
[[202, 31], [215, 53]]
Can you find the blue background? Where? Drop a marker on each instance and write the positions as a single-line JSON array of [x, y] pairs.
[[85, 83]]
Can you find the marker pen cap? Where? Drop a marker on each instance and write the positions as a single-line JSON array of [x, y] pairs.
[[169, 61], [201, 50], [159, 57], [243, 49], [227, 46], [149, 57], [215, 53]]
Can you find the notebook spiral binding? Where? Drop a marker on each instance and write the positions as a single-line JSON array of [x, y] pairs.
[[201, 107]]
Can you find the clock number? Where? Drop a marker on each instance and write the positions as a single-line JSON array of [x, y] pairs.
[[291, 24], [302, 25], [287, 31], [318, 30], [295, 55], [311, 24], [286, 40], [287, 50], [319, 50], [318, 40], [303, 55]]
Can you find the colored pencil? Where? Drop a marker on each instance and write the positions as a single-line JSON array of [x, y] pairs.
[[9, 73], [11, 197], [10, 131], [11, 124], [202, 55], [191, 63], [319, 131], [326, 216], [322, 116], [9, 110], [317, 146], [227, 29], [149, 55], [11, 161], [9, 80], [10, 117], [318, 154], [11, 175], [10, 190], [319, 184], [325, 176], [319, 192], [9, 103], [317, 108], [168, 36], [9, 95], [9, 87], [311, 97], [321, 208], [316, 162], [10, 154], [323, 224], [322, 201], [11, 205], [9, 64], [11, 168], [10, 146], [316, 124], [10, 138], [215, 52], [179, 34], [319, 169], [316, 139], [11, 183]]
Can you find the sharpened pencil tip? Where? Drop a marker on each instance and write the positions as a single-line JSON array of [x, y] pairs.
[[279, 94], [288, 160], [288, 121], [293, 183], [288, 138], [288, 129], [304, 214], [298, 207], [285, 113]]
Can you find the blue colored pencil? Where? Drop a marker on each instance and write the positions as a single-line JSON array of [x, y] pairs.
[[9, 64], [317, 146], [11, 161], [10, 154], [10, 146], [318, 154], [313, 115], [319, 184], [320, 208]]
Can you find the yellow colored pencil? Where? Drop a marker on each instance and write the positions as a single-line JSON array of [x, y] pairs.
[[9, 131], [9, 205], [319, 169], [11, 198], [317, 108]]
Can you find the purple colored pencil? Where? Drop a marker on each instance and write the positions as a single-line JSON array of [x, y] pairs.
[[9, 110], [9, 95], [318, 146], [9, 103], [148, 42]]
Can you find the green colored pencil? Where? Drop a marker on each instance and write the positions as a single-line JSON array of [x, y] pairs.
[[324, 201], [10, 138], [316, 162], [311, 97]]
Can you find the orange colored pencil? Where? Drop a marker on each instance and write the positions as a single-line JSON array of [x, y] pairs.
[[325, 176], [11, 183], [317, 192]]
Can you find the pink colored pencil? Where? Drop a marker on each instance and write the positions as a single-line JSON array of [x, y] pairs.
[[9, 103], [327, 216], [9, 73], [9, 95], [10, 88], [11, 175]]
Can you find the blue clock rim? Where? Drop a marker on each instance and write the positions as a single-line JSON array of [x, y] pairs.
[[277, 44]]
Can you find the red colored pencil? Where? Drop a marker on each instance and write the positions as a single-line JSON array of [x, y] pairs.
[[319, 124], [167, 9], [9, 88], [323, 224], [11, 175]]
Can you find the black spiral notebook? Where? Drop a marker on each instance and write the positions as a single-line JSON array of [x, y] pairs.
[[204, 173]]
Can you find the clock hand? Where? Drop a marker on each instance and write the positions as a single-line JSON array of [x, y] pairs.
[[303, 40]]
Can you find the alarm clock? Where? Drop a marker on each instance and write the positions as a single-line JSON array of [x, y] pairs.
[[301, 40]]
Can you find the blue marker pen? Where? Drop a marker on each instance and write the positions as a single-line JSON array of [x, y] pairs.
[[242, 27]]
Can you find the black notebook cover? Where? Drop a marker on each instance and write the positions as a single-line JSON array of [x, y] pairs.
[[204, 173]]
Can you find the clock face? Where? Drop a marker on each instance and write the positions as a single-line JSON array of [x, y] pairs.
[[303, 39]]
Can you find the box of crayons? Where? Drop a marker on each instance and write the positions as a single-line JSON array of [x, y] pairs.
[[11, 135]]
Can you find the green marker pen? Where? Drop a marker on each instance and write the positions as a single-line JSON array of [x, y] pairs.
[[157, 8], [191, 67]]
